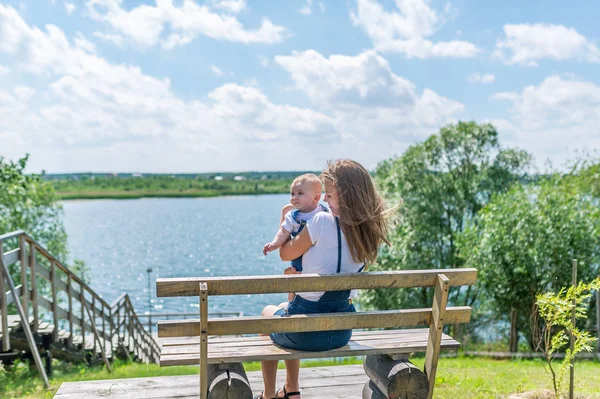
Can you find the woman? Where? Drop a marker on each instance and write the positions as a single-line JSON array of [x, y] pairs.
[[344, 241]]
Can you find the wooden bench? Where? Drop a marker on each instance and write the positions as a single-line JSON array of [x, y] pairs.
[[220, 348]]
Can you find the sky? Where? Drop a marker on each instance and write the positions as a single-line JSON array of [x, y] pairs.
[[162, 86]]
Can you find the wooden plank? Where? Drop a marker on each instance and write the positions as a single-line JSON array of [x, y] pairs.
[[339, 382], [169, 287], [3, 305], [12, 257], [310, 322], [24, 266], [439, 317], [34, 293], [221, 353], [203, 340]]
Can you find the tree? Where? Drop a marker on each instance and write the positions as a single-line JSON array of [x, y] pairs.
[[441, 183], [523, 243], [30, 204]]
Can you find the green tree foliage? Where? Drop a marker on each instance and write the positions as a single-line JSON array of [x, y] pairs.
[[523, 243], [28, 203], [441, 183], [557, 326]]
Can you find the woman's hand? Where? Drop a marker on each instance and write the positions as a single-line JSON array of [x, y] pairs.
[[296, 246]]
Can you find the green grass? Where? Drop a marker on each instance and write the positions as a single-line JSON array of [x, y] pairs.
[[462, 377]]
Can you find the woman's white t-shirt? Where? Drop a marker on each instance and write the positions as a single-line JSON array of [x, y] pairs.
[[322, 257]]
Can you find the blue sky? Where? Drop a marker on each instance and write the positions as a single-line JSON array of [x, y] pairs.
[[232, 85]]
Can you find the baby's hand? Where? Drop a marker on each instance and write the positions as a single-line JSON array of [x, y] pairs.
[[268, 248], [291, 270]]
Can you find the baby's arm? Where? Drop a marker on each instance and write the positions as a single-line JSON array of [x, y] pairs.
[[280, 238]]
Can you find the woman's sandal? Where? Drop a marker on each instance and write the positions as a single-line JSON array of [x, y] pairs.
[[260, 396], [286, 395]]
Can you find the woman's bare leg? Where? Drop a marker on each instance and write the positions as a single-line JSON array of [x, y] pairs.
[[269, 367], [292, 374]]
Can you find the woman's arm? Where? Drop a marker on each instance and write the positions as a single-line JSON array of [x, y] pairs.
[[296, 246]]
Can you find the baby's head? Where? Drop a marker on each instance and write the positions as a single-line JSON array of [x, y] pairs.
[[305, 192]]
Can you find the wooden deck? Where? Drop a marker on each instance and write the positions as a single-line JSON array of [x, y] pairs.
[[316, 383]]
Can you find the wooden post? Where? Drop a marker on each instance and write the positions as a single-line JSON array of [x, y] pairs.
[[440, 299], [70, 295], [573, 321], [102, 314], [228, 380], [3, 304], [24, 288], [54, 300], [97, 338], [93, 318], [24, 324], [82, 300], [396, 378], [203, 341], [34, 293], [598, 317]]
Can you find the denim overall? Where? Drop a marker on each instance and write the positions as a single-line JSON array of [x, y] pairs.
[[330, 302]]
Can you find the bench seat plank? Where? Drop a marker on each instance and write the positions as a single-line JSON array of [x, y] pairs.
[[245, 349]]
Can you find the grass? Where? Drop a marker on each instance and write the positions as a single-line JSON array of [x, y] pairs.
[[461, 377]]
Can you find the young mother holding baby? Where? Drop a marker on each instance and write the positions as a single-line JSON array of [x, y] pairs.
[[343, 241]]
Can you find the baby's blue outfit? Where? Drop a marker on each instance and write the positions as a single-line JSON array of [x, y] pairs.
[[294, 221]]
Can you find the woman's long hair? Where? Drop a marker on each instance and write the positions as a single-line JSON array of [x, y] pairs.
[[362, 213]]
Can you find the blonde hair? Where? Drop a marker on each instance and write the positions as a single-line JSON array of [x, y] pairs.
[[362, 214], [310, 178]]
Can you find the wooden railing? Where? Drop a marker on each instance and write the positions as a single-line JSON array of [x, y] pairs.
[[50, 292]]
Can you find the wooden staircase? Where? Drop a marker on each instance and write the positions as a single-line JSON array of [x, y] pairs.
[[68, 320]]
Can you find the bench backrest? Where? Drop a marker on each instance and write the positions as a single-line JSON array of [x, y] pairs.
[[243, 285]]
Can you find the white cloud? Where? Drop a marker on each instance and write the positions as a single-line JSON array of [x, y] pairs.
[[555, 117], [526, 44], [4, 70], [368, 99], [173, 26], [406, 30], [70, 7], [306, 8], [233, 6], [115, 39], [216, 70], [90, 109], [481, 78]]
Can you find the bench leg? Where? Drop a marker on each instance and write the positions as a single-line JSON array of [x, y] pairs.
[[393, 378], [228, 381]]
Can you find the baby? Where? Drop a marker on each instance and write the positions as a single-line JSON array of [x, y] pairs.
[[305, 195]]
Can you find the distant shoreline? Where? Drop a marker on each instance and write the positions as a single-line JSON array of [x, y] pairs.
[[126, 195]]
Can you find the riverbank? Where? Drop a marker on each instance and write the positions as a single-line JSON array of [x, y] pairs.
[[165, 187], [110, 194]]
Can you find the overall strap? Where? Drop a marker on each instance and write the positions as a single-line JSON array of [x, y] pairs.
[[339, 237]]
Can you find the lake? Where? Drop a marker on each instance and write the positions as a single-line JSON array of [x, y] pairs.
[[176, 237]]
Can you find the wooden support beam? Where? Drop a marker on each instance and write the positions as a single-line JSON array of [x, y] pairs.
[[34, 293], [24, 266], [439, 312], [24, 322], [54, 301], [97, 338], [3, 303], [70, 295], [203, 341]]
